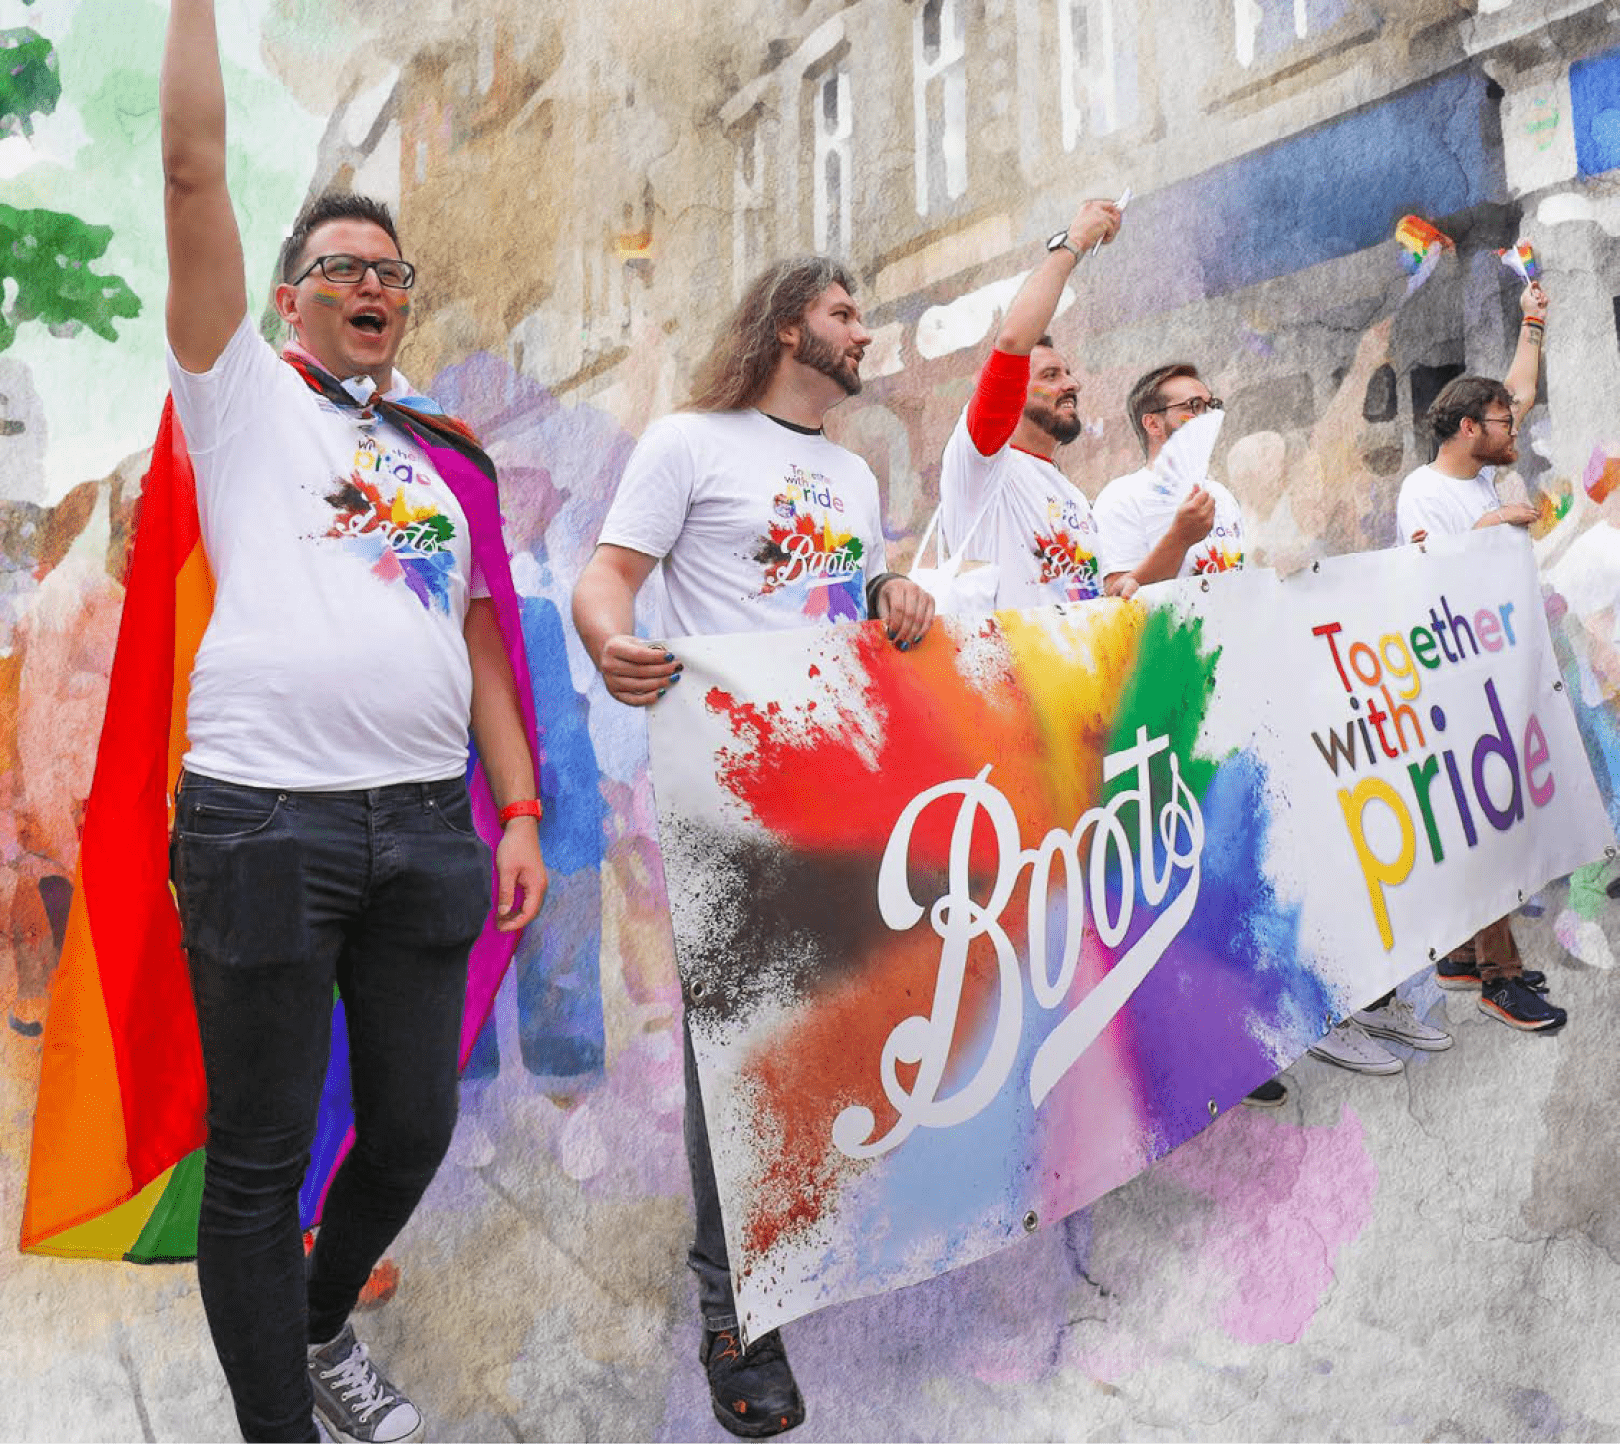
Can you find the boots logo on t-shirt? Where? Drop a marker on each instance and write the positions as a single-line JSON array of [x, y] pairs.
[[404, 539], [1218, 553], [806, 546], [1063, 559]]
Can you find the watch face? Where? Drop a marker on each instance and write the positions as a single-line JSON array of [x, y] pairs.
[[1058, 240]]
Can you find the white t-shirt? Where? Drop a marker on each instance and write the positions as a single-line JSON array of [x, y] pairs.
[[759, 526], [1039, 529], [1134, 511], [335, 656], [1432, 502]]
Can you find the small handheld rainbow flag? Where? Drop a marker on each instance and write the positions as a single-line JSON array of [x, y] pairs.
[[1422, 245], [1521, 260]]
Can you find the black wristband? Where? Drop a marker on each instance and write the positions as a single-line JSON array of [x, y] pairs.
[[875, 586]]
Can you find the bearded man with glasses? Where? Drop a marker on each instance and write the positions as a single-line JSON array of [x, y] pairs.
[[1475, 422], [1158, 522], [363, 616]]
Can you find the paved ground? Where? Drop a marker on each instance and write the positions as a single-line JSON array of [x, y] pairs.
[[1430, 1257]]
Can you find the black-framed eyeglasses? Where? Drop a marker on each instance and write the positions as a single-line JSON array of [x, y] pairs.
[[1507, 421], [1196, 406], [346, 270]]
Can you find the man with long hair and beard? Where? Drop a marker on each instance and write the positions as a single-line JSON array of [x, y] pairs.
[[759, 522], [1003, 498]]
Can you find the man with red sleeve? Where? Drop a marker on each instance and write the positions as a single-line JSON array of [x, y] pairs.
[[1002, 497]]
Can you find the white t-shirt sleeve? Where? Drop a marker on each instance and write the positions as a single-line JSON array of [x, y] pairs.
[[655, 494], [215, 404], [1122, 540], [964, 485]]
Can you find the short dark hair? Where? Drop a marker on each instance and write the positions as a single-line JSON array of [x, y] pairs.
[[1148, 394], [333, 206], [1045, 339], [1464, 396]]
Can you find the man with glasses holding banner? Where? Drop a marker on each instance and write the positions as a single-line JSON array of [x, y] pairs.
[[1475, 422], [362, 614], [1170, 518]]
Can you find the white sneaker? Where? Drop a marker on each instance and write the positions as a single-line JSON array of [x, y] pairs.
[[1398, 1020], [1349, 1047]]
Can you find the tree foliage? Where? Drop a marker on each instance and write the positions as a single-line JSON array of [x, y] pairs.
[[45, 256], [29, 84], [48, 255]]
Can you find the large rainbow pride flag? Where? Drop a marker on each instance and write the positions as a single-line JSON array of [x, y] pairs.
[[117, 1163]]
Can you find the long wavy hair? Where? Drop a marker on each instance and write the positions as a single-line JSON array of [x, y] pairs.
[[743, 358]]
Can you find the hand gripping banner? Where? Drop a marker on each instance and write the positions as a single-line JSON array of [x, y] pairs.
[[970, 935]]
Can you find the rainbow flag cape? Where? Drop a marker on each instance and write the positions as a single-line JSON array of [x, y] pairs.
[[1422, 245], [116, 1166], [1521, 260]]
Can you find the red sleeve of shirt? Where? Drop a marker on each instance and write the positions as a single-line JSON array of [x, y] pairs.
[[998, 401]]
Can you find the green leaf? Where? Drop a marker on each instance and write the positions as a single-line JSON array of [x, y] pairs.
[[29, 84], [48, 255]]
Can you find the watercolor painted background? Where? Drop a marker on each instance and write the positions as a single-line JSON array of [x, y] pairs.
[[584, 189]]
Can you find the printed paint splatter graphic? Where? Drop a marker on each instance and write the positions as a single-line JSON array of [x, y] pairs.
[[804, 983], [809, 553], [406, 538], [1215, 556], [1066, 559]]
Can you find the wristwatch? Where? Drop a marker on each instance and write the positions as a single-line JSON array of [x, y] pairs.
[[1061, 242]]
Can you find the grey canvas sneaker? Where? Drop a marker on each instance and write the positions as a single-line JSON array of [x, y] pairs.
[[354, 1400]]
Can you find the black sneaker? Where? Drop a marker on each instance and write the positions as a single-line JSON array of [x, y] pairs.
[[1461, 974], [753, 1391], [1520, 1007], [1270, 1095]]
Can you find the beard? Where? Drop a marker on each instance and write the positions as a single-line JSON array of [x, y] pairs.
[[820, 354], [1061, 426]]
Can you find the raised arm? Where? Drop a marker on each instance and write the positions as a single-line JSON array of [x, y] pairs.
[[207, 290], [636, 673], [1037, 300], [1526, 368]]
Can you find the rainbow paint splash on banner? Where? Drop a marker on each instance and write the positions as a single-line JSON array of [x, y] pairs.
[[971, 935]]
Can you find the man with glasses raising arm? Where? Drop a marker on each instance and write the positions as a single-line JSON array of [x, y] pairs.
[[363, 614], [1475, 422]]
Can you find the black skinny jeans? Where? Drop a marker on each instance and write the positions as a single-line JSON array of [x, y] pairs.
[[380, 892]]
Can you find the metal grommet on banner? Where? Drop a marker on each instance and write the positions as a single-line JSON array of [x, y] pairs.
[[1032, 1222], [1329, 1020], [1611, 851], [1432, 955], [1316, 566], [697, 989], [1559, 685], [1203, 584], [1214, 1108], [1521, 895]]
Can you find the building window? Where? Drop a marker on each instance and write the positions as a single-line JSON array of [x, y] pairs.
[[939, 93], [1097, 65], [832, 124], [748, 211], [1266, 28]]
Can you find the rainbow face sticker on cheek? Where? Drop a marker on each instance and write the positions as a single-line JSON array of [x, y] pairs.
[[328, 298]]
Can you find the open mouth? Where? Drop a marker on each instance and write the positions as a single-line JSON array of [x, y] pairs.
[[369, 322]]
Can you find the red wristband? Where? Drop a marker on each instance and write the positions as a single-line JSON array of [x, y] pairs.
[[526, 808]]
